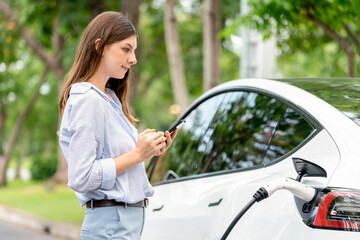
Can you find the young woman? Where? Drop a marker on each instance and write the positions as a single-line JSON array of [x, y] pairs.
[[105, 154]]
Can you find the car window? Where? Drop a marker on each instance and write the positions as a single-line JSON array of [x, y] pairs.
[[234, 130], [342, 93], [291, 131], [238, 135], [190, 136]]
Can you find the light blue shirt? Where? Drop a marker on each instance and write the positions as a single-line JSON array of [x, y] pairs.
[[93, 131]]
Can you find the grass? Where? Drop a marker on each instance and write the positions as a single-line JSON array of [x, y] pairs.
[[58, 203]]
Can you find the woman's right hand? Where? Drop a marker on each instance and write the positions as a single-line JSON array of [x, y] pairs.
[[150, 143]]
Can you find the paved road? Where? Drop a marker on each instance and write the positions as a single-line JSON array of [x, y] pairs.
[[10, 231]]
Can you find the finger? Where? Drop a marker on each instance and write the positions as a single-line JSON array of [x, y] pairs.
[[167, 135], [168, 139], [160, 140], [161, 145], [173, 134], [161, 148], [147, 131], [158, 135]]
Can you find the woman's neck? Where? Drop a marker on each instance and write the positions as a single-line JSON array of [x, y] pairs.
[[98, 81]]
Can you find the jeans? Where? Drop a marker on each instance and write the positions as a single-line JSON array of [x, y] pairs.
[[116, 222]]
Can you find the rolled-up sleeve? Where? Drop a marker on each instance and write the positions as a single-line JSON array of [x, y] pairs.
[[109, 173], [87, 170]]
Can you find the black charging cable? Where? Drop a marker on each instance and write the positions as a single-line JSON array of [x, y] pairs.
[[260, 194]]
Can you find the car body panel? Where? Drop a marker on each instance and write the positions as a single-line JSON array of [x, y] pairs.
[[320, 150], [189, 201]]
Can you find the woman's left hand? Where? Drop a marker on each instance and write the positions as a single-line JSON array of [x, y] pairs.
[[169, 139]]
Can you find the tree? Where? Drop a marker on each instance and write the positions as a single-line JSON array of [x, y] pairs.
[[50, 60], [174, 53], [131, 8], [211, 45], [51, 43], [309, 23], [13, 59], [153, 89], [5, 157], [47, 38], [14, 130]]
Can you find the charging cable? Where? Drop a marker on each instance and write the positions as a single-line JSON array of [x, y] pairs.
[[299, 189]]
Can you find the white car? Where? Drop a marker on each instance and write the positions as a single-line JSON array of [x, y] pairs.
[[253, 133]]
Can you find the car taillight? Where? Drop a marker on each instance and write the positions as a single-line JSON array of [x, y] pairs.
[[338, 210]]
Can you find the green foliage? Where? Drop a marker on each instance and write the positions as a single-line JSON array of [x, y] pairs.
[[154, 89], [301, 44], [298, 37], [43, 167], [19, 79], [329, 62]]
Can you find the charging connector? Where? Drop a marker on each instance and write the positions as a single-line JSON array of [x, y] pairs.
[[299, 189]]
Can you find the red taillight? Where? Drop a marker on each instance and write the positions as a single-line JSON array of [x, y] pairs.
[[339, 210]]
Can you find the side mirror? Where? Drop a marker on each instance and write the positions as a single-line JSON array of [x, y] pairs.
[[307, 169], [170, 175]]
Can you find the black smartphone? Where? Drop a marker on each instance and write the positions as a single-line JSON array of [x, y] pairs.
[[177, 125]]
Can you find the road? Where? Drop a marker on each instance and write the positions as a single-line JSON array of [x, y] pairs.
[[10, 231]]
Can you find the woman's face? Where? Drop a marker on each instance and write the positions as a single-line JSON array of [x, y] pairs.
[[118, 57]]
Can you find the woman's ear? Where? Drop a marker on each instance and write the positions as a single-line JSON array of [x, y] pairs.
[[97, 43]]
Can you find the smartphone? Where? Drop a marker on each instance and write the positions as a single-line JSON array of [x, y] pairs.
[[177, 125]]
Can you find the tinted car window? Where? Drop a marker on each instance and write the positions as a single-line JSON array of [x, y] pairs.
[[239, 133], [291, 131], [179, 157], [342, 93], [234, 130]]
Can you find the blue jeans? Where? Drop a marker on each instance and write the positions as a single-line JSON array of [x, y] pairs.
[[117, 222]]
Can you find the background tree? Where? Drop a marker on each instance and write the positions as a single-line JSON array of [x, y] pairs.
[[13, 59], [309, 24], [48, 49], [211, 47], [46, 39], [173, 49], [37, 35], [132, 9]]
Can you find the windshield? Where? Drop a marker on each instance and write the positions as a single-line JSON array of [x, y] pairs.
[[343, 94]]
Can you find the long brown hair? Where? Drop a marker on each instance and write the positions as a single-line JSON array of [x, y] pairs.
[[109, 27]]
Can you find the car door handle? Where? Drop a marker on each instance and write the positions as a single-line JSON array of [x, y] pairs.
[[158, 209], [214, 204]]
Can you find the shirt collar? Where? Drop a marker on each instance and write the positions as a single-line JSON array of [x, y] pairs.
[[83, 87]]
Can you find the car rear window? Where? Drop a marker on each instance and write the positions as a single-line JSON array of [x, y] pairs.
[[342, 93]]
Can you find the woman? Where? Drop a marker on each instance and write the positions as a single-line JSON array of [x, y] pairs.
[[104, 152]]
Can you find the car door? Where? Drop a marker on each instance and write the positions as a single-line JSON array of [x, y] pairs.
[[179, 208]]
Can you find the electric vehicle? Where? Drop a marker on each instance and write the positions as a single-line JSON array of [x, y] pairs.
[[244, 134]]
